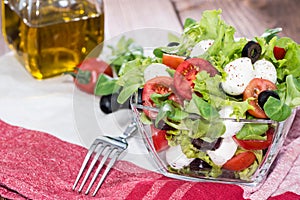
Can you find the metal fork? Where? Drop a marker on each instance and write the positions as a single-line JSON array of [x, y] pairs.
[[108, 146]]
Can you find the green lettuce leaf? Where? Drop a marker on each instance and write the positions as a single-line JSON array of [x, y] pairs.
[[277, 110], [270, 33], [291, 62], [253, 132], [289, 91], [200, 107], [125, 50], [106, 85], [209, 88]]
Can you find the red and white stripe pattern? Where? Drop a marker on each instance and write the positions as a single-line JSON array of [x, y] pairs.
[[36, 165]]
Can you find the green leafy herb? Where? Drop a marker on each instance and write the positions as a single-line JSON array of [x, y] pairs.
[[209, 88], [158, 52], [124, 51], [189, 22], [198, 106], [289, 91], [270, 33], [277, 110], [168, 110], [106, 85], [291, 62], [253, 132]]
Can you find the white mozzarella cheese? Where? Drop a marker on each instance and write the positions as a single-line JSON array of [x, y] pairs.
[[226, 151], [239, 73], [155, 70], [231, 127], [201, 47], [266, 70], [176, 158]]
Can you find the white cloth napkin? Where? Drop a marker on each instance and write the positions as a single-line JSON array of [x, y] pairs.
[[41, 105]]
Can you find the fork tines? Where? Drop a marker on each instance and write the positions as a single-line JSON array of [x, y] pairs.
[[107, 146]]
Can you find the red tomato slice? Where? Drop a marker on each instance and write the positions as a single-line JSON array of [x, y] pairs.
[[186, 73], [279, 52], [159, 139], [159, 85], [256, 86], [256, 144], [172, 60], [86, 81], [240, 161]]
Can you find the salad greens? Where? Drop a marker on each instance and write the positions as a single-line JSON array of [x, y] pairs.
[[201, 107], [291, 62], [129, 63], [124, 51], [250, 132]]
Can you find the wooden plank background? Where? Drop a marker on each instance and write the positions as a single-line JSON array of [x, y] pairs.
[[249, 17]]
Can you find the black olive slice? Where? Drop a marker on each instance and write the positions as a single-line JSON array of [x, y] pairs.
[[252, 50], [162, 125], [173, 44], [204, 146], [109, 103], [228, 174], [264, 95], [198, 164]]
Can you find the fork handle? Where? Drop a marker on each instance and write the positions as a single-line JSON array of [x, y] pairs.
[[130, 130]]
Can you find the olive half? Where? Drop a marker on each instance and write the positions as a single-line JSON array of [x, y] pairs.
[[173, 44], [264, 96], [109, 103], [252, 50], [204, 146], [198, 164]]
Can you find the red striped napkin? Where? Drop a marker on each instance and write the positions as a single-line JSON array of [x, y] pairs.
[[36, 165]]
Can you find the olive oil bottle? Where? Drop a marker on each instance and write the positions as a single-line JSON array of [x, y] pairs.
[[55, 36]]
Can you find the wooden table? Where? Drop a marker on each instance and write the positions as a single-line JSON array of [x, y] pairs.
[[249, 17]]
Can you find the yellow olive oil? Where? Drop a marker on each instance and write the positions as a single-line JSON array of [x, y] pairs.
[[53, 42]]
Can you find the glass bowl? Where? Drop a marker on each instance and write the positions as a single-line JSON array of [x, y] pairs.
[[252, 176]]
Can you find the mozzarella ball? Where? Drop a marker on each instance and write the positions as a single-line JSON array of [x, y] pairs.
[[201, 47], [239, 73], [266, 70], [155, 70], [226, 150], [232, 127], [176, 158]]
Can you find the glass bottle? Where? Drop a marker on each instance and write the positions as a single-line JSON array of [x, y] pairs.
[[51, 37]]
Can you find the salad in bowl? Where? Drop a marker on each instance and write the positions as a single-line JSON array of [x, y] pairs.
[[211, 106]]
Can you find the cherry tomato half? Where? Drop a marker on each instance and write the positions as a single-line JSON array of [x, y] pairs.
[[172, 61], [240, 161], [256, 144], [256, 86], [159, 139], [186, 73], [279, 53], [88, 73], [159, 85]]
